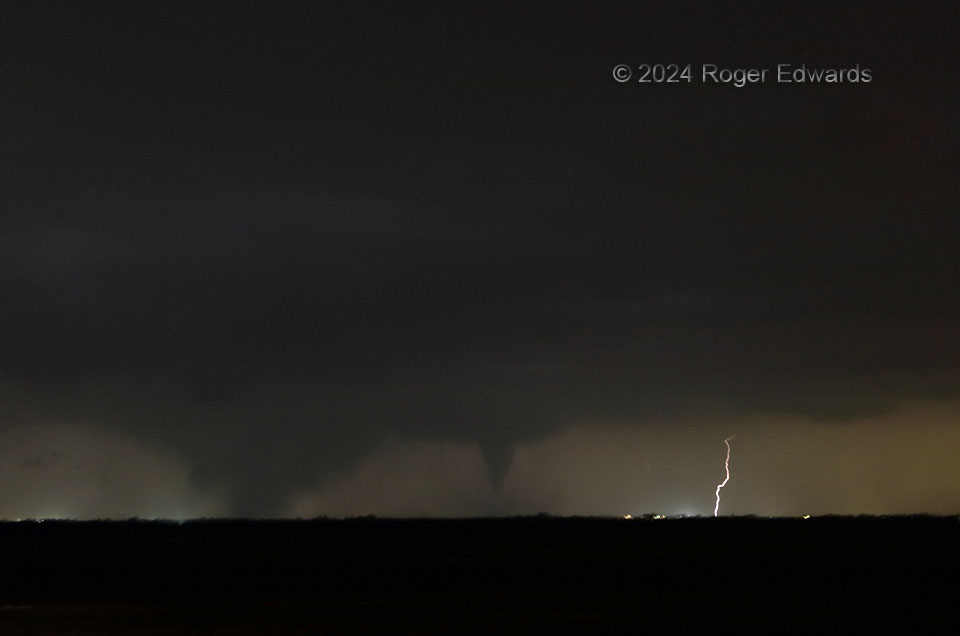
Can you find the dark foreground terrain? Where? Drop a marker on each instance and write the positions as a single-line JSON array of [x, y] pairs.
[[484, 576]]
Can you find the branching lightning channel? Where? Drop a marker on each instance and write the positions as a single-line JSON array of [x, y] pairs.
[[726, 465]]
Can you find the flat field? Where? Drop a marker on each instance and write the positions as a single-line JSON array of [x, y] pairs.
[[480, 576]]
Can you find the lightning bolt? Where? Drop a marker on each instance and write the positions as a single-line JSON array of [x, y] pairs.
[[726, 465]]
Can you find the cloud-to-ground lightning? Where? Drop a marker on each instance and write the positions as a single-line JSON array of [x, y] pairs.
[[726, 466]]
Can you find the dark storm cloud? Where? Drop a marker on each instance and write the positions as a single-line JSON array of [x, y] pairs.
[[271, 239]]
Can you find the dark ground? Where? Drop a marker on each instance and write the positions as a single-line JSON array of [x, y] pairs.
[[490, 576]]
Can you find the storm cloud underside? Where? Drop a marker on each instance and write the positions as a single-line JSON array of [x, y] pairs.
[[265, 248]]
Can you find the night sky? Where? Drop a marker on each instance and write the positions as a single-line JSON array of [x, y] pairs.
[[432, 258]]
